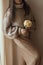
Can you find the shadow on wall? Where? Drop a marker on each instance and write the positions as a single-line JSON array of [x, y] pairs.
[[37, 37]]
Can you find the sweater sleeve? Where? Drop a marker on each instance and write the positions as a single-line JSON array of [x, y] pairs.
[[9, 32]]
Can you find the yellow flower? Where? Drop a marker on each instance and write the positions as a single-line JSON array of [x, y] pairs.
[[27, 23]]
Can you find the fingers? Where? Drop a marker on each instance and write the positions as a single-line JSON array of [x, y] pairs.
[[23, 32]]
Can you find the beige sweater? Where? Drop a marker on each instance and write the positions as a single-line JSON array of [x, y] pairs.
[[19, 19]]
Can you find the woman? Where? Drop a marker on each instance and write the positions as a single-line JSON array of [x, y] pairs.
[[18, 23], [14, 19]]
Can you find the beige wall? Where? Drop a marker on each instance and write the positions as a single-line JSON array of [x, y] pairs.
[[37, 37], [37, 8], [8, 46]]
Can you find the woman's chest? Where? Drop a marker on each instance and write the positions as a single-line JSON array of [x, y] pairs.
[[20, 16]]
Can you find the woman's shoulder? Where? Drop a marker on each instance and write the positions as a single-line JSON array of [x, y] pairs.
[[6, 17], [7, 12]]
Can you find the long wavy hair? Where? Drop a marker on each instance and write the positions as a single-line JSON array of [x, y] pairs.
[[12, 8]]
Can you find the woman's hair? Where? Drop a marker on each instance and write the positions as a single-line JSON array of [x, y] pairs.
[[12, 8]]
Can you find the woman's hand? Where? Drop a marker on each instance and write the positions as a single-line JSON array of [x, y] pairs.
[[24, 32]]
